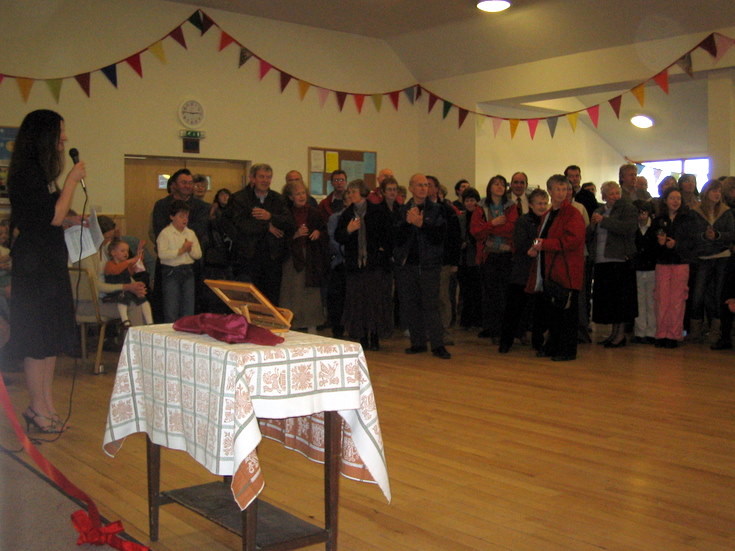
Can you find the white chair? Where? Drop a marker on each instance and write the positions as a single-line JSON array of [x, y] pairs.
[[87, 305]]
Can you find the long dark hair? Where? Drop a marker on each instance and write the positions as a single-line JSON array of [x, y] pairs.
[[37, 145]]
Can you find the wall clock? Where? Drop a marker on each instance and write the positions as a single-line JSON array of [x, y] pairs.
[[191, 113]]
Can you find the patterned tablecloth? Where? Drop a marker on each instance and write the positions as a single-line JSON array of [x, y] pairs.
[[215, 401]]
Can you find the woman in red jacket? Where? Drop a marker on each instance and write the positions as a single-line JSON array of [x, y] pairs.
[[559, 254]]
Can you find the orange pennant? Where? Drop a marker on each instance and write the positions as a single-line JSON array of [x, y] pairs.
[[303, 88], [640, 93], [25, 85], [513, 127], [662, 79]]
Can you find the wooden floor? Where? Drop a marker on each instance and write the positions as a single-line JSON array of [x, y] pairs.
[[630, 449]]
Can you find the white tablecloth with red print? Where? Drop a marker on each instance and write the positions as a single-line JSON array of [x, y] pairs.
[[216, 401]]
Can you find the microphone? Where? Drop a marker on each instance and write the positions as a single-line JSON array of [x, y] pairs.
[[74, 154]]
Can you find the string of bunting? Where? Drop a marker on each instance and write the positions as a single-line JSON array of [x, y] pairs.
[[715, 44]]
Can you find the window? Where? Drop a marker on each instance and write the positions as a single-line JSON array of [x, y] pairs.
[[655, 171]]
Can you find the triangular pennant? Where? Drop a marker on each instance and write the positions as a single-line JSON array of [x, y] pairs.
[[394, 98], [178, 35], [377, 101], [54, 85], [513, 127], [225, 40], [446, 108], [134, 62], [196, 20], [264, 68], [285, 79], [657, 174], [25, 85], [709, 45], [111, 73], [341, 97], [639, 167], [157, 50], [594, 113], [685, 63], [2, 77], [572, 118], [410, 93], [83, 81], [662, 79], [303, 88], [723, 43], [551, 123], [496, 125], [206, 22], [615, 104], [359, 100], [245, 54], [462, 116], [532, 125], [432, 101], [640, 93], [419, 90], [323, 95]]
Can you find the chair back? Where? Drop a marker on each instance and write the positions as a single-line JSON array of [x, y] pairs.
[[86, 297]]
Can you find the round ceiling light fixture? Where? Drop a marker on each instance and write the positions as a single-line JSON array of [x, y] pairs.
[[641, 121], [493, 6]]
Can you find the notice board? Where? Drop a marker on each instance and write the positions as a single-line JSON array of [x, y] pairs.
[[356, 164]]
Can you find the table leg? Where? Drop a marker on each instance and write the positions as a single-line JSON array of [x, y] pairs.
[[332, 455], [153, 456], [250, 526]]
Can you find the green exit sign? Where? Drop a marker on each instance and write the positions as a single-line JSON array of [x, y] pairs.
[[196, 134]]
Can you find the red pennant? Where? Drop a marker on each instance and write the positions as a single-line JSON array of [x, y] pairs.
[[532, 125], [341, 97], [2, 77], [178, 35], [285, 79], [264, 68], [432, 100], [462, 116], [615, 104], [134, 62], [662, 79], [225, 40], [83, 81], [394, 97], [594, 113], [359, 100], [709, 45]]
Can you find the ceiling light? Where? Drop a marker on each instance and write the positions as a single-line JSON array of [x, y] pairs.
[[641, 121], [493, 5]]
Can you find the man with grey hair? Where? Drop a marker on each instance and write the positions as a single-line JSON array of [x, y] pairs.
[[627, 176], [258, 223]]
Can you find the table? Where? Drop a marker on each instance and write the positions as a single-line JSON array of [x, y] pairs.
[[216, 401]]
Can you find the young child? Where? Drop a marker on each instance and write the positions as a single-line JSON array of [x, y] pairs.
[[178, 249], [645, 273], [122, 269]]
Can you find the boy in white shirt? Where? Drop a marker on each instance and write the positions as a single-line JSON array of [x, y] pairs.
[[178, 249]]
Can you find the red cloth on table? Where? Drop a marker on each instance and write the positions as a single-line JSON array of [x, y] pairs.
[[229, 328]]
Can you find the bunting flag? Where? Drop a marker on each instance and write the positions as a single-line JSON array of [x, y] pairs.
[[709, 45], [497, 123], [285, 79], [685, 63], [2, 77], [178, 35], [303, 88], [377, 101], [83, 81], [640, 93], [25, 85], [359, 100], [224, 41], [532, 125], [446, 108], [513, 127], [662, 79], [639, 167], [572, 118], [418, 91], [134, 62], [395, 97], [245, 54], [432, 101], [207, 23], [462, 116], [323, 95], [594, 113], [264, 68], [410, 93], [54, 85], [196, 20], [551, 122], [157, 50], [615, 104], [111, 73], [341, 97], [723, 44], [657, 174]]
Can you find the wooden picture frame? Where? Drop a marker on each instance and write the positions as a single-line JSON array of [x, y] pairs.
[[245, 299]]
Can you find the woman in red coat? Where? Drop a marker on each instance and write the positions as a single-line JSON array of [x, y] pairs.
[[559, 254]]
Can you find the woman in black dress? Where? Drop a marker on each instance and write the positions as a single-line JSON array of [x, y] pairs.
[[42, 317]]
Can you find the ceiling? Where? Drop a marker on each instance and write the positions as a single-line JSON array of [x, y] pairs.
[[438, 39]]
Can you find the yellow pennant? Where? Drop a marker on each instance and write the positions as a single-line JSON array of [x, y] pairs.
[[157, 50], [54, 85], [513, 127], [25, 85], [377, 101], [303, 88], [572, 118], [640, 93]]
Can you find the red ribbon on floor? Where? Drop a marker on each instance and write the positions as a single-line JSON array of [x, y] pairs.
[[87, 523]]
